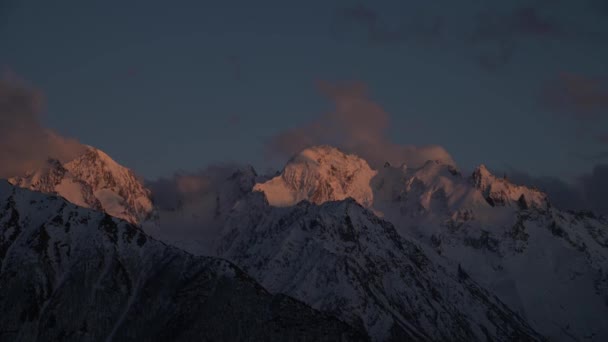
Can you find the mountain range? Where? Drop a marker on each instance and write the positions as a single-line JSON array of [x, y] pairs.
[[328, 245]]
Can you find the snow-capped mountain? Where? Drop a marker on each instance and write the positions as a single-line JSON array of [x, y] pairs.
[[339, 257], [421, 253], [548, 265], [320, 174], [93, 180], [73, 274]]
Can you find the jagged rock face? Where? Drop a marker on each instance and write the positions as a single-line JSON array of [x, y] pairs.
[[95, 181], [547, 265], [433, 190], [72, 274], [320, 174], [508, 238], [339, 257], [499, 192]]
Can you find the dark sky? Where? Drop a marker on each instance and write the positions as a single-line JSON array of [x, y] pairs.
[[164, 85]]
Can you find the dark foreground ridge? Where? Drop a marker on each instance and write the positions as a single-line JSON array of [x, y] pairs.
[[73, 274]]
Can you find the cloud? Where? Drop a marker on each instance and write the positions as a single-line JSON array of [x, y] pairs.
[[184, 188], [588, 192], [24, 143], [499, 34], [520, 22], [580, 97], [603, 138], [561, 194], [592, 157], [192, 205], [356, 125], [595, 186], [376, 30]]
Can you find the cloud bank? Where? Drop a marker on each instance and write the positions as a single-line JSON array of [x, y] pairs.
[[377, 31], [24, 143], [356, 125], [580, 97], [588, 192]]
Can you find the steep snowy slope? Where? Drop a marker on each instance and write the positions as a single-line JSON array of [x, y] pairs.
[[95, 181], [72, 274], [548, 265], [341, 258]]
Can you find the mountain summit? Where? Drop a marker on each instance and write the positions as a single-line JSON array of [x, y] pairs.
[[320, 174], [93, 180], [422, 253]]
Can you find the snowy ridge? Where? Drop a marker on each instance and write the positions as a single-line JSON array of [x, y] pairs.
[[93, 180], [507, 237], [73, 274], [339, 257], [499, 192], [406, 253]]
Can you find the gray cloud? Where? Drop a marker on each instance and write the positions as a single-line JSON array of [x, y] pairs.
[[580, 97], [366, 22], [24, 143], [191, 187], [588, 192], [595, 186], [499, 35], [519, 22], [592, 157], [356, 125], [561, 194]]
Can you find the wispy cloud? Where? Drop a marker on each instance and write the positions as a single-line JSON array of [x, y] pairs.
[[563, 195], [499, 34], [25, 143], [517, 23], [587, 192], [376, 30], [592, 157], [357, 125], [595, 186], [580, 97]]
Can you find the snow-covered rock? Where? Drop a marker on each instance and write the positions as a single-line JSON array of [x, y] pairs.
[[95, 181], [403, 252], [500, 192], [548, 265], [339, 257], [320, 174], [72, 274]]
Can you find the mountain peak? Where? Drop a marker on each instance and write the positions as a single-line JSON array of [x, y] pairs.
[[92, 180], [320, 174], [500, 192]]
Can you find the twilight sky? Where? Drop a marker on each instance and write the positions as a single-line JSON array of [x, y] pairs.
[[162, 86]]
